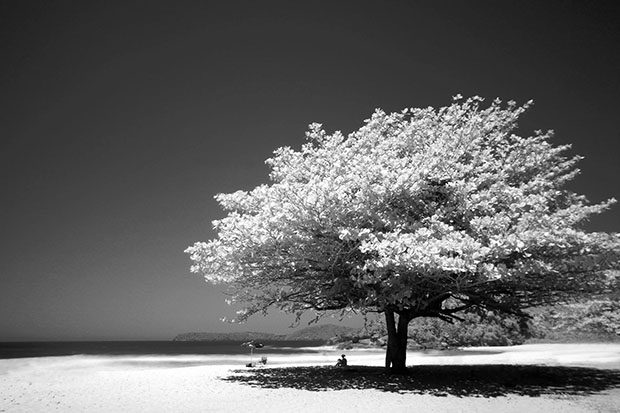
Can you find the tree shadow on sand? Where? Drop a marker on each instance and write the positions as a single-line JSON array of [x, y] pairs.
[[461, 381]]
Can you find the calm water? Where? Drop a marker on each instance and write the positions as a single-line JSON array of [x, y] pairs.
[[144, 348]]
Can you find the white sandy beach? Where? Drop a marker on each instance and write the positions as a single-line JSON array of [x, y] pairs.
[[195, 383]]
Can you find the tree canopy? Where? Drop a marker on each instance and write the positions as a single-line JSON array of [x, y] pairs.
[[414, 208]]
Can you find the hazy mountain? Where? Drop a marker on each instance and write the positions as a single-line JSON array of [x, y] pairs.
[[322, 332], [312, 333], [238, 336]]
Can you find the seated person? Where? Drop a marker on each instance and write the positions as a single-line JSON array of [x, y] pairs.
[[342, 361]]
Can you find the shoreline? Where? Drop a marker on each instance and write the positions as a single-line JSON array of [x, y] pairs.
[[189, 383]]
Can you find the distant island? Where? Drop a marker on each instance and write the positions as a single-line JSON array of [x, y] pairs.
[[324, 333]]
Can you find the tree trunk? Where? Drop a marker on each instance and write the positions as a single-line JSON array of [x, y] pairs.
[[396, 354]]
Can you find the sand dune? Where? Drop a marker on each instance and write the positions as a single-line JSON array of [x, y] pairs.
[[532, 378]]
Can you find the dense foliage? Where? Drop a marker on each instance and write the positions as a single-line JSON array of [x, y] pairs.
[[411, 210], [475, 328], [596, 320]]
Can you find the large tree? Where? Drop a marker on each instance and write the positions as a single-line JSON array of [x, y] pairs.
[[413, 210]]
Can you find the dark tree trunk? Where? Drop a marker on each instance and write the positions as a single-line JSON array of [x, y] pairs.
[[396, 354]]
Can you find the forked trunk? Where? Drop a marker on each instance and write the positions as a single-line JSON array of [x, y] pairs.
[[396, 354]]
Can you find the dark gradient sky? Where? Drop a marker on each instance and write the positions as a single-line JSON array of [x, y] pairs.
[[120, 121]]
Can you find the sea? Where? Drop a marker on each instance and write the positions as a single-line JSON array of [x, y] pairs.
[[13, 350]]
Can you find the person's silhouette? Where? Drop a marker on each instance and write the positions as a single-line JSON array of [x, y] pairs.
[[342, 361]]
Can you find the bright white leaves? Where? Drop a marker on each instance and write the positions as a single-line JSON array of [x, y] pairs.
[[448, 195]]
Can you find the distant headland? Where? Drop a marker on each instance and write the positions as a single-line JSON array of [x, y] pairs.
[[324, 333]]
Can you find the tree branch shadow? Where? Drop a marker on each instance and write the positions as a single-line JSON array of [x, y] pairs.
[[442, 380]]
